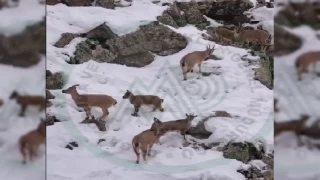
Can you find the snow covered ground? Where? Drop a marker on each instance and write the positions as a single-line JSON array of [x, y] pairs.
[[296, 98], [25, 81], [233, 90], [12, 127]]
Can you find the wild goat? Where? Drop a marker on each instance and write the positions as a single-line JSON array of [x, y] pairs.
[[182, 125], [305, 60], [145, 140], [88, 101], [30, 142], [28, 100], [138, 100], [224, 35], [191, 59], [254, 36], [296, 126]]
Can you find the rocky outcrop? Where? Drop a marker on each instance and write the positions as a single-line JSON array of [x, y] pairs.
[[65, 39], [134, 49], [300, 13], [108, 4], [24, 49], [230, 11], [50, 120], [55, 81], [285, 42]]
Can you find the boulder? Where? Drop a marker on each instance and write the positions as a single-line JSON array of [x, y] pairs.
[[24, 49], [243, 152], [230, 11], [165, 18], [55, 81], [108, 4], [65, 39], [176, 14], [101, 33], [285, 42], [191, 12], [133, 49]]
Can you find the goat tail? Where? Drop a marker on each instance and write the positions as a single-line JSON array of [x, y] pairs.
[[114, 104], [162, 100], [135, 146], [182, 64]]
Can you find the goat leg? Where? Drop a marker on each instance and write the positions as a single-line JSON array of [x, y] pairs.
[[135, 113], [23, 110]]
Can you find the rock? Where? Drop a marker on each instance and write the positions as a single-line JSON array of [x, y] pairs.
[[132, 47], [243, 152], [69, 147], [177, 15], [299, 13], [230, 11], [165, 18], [222, 114], [191, 12], [48, 104], [53, 2], [108, 4], [50, 120], [24, 49], [285, 42], [101, 33], [49, 95], [199, 131], [100, 124], [204, 7], [55, 81], [202, 26], [65, 39], [135, 60], [74, 144], [77, 2]]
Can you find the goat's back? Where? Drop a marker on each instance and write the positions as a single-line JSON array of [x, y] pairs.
[[34, 100], [145, 99], [193, 58], [146, 137], [95, 100]]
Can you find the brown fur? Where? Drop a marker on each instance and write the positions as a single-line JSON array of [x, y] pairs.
[[225, 35], [254, 36], [30, 142], [138, 100], [182, 125], [188, 61], [145, 140], [26, 100], [305, 60], [88, 101], [296, 126]]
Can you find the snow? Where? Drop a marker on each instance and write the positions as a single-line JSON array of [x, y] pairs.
[[296, 98], [234, 90], [25, 81], [12, 127], [35, 13]]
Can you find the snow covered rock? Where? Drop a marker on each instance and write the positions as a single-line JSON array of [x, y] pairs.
[[109, 4], [230, 11], [55, 81], [192, 13], [285, 41], [16, 49], [65, 39], [132, 49]]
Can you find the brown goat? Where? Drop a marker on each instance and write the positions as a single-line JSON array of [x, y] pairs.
[[305, 60], [296, 126], [138, 100], [28, 100], [30, 142], [146, 139], [88, 101], [188, 61], [182, 125], [254, 36]]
